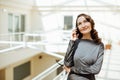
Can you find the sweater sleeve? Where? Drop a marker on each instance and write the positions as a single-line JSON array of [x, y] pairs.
[[93, 69], [68, 53], [68, 60]]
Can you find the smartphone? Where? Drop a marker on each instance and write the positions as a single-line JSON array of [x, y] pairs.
[[77, 31]]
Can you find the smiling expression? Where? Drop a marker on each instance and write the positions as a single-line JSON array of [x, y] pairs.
[[83, 25]]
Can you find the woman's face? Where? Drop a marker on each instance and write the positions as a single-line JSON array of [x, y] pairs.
[[83, 25]]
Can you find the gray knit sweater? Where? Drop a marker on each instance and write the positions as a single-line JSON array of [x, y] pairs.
[[88, 59]]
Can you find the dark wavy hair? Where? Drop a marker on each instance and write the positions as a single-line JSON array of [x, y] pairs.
[[94, 33]]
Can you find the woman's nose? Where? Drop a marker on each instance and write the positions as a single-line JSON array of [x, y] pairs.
[[83, 24]]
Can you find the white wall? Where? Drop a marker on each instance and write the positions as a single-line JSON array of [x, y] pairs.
[[16, 7], [3, 21], [6, 8], [36, 21]]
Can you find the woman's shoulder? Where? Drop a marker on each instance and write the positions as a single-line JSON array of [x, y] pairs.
[[102, 45], [99, 43]]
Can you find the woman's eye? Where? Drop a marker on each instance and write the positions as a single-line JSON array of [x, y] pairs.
[[79, 23], [82, 22], [85, 21]]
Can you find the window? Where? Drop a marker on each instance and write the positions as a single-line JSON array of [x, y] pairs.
[[16, 24], [22, 71], [68, 22]]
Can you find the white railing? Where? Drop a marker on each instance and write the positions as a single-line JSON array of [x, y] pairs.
[[28, 39], [9, 49], [18, 36], [47, 71], [62, 76], [22, 36], [47, 52]]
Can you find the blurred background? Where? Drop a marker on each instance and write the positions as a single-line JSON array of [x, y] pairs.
[[34, 36]]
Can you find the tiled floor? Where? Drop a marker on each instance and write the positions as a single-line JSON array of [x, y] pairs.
[[111, 64]]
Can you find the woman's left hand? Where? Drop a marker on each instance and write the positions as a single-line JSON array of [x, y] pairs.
[[67, 69]]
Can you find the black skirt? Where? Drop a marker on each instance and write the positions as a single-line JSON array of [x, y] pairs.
[[73, 76]]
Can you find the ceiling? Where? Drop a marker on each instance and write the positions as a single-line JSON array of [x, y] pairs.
[[66, 2], [106, 13]]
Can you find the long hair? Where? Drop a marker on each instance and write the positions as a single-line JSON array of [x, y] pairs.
[[94, 33]]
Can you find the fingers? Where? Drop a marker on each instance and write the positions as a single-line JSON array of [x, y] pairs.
[[74, 34], [77, 35], [64, 67], [74, 31], [67, 69]]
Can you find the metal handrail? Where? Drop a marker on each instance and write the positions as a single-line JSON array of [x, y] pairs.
[[61, 76], [47, 71], [12, 48]]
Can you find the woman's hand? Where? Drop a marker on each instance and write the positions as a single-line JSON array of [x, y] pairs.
[[74, 35], [67, 69]]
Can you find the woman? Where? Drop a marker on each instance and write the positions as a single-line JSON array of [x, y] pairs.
[[88, 56]]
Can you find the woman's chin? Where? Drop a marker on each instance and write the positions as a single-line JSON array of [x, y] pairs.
[[85, 32]]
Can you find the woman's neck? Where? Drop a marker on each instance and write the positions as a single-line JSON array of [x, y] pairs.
[[86, 36]]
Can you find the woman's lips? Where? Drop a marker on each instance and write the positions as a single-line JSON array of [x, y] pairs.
[[85, 28]]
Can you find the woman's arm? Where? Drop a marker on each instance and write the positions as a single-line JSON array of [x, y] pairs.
[[68, 60], [93, 69]]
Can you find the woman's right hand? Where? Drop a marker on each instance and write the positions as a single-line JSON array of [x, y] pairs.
[[74, 35], [67, 69]]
